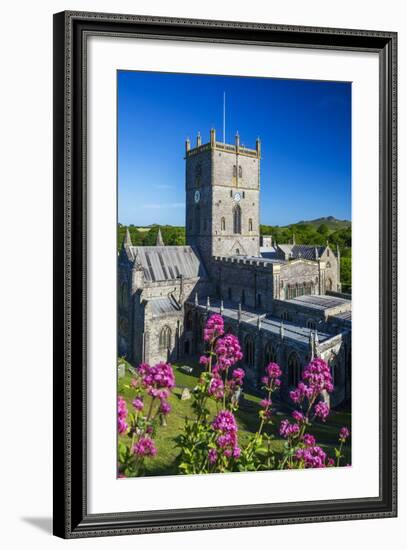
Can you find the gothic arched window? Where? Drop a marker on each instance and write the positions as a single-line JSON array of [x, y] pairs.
[[270, 355], [250, 224], [249, 351], [165, 338], [237, 219], [243, 299], [240, 172], [223, 224], [294, 369]]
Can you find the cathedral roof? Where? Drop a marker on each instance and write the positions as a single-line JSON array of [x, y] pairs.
[[270, 324], [164, 306], [164, 263], [294, 251]]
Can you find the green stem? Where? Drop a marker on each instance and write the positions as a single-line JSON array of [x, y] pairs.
[[339, 454]]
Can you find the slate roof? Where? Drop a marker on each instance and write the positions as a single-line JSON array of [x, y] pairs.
[[321, 302], [346, 316], [163, 306], [269, 323], [165, 263], [294, 251]]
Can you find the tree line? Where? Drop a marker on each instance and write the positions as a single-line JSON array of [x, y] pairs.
[[304, 233]]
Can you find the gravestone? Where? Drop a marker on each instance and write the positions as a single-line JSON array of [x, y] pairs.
[[121, 370], [185, 395]]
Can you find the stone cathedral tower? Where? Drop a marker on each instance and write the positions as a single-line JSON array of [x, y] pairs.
[[222, 198]]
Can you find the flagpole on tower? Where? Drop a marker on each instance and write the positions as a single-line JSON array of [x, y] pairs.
[[224, 117]]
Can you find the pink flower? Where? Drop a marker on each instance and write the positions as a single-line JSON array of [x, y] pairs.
[[273, 372], [287, 429], [265, 403], [301, 392], [298, 416], [165, 407], [309, 440], [145, 447], [225, 422], [158, 379], [321, 410], [212, 456], [312, 457], [318, 376], [122, 425], [236, 452], [216, 387], [344, 433], [228, 352], [138, 404], [226, 441], [214, 327], [238, 375]]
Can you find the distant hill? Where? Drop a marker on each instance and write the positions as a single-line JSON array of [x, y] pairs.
[[333, 223]]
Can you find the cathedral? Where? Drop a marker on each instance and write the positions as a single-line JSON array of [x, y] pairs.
[[283, 301]]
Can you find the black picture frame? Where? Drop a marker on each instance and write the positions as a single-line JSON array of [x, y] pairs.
[[71, 519]]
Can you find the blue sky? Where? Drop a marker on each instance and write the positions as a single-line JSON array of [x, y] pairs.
[[304, 127]]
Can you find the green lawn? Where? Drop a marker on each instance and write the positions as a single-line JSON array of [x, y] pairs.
[[247, 418]]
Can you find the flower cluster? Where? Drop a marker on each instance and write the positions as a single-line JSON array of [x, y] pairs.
[[311, 457], [122, 425], [298, 416], [158, 380], [288, 430], [317, 376], [301, 392], [144, 447], [214, 328], [216, 388], [226, 441], [321, 410], [309, 440], [344, 433], [227, 351], [157, 377], [138, 404]]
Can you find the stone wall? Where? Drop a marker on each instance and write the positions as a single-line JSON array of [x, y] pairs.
[[213, 178], [271, 347]]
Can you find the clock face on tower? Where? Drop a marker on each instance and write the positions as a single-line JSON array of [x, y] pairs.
[[197, 196], [237, 197]]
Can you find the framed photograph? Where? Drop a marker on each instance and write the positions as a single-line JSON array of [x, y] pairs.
[[224, 274]]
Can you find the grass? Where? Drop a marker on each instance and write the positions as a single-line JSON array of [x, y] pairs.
[[247, 418]]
